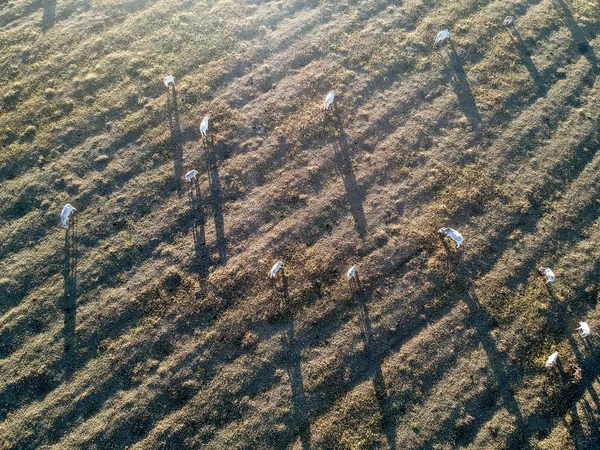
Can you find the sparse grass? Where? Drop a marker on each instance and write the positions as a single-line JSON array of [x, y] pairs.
[[162, 329]]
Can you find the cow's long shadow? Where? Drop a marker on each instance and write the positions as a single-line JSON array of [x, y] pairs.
[[300, 422], [49, 14], [387, 424], [483, 322], [583, 45], [524, 52], [505, 375], [69, 300], [462, 89], [175, 129], [216, 199], [299, 400], [198, 225], [354, 193]]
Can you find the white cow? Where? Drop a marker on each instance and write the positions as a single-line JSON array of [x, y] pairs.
[[453, 234], [548, 273], [328, 100], [552, 359], [585, 329], [352, 273], [276, 268], [510, 20], [204, 125], [191, 175], [442, 36], [64, 215], [169, 80]]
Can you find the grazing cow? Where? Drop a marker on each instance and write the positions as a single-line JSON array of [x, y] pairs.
[[328, 100], [510, 20], [204, 125], [442, 37], [453, 234], [64, 215], [169, 80], [352, 273], [352, 277], [276, 268], [552, 359], [547, 272], [191, 175], [585, 329]]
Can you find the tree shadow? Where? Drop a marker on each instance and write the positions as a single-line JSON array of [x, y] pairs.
[[524, 52], [216, 199], [198, 225], [49, 15], [462, 89], [175, 129], [69, 301], [387, 423], [578, 34], [354, 193]]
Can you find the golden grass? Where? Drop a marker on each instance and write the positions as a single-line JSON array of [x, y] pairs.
[[142, 337]]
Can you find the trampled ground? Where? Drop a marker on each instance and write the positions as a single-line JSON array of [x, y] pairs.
[[152, 323]]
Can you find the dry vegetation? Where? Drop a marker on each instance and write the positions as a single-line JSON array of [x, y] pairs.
[[152, 323]]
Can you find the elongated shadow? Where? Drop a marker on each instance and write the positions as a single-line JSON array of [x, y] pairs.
[[198, 225], [462, 89], [294, 370], [30, 388], [301, 420], [566, 234], [506, 374], [588, 361], [524, 52], [354, 193], [69, 301], [49, 14], [574, 392], [216, 199], [482, 322], [583, 45], [176, 137], [385, 408], [282, 289]]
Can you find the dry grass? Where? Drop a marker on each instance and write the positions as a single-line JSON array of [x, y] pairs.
[[152, 323]]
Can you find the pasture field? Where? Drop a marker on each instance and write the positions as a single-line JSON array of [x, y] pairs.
[[152, 323]]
